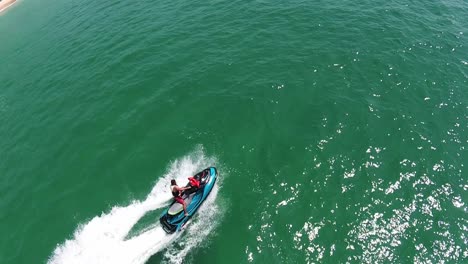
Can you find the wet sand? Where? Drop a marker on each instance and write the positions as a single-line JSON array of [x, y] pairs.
[[4, 4]]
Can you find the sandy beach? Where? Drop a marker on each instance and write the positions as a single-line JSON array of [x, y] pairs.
[[4, 4]]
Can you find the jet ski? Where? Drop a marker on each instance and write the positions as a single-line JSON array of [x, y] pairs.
[[173, 218]]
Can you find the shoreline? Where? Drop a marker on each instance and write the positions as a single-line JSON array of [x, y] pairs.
[[5, 4]]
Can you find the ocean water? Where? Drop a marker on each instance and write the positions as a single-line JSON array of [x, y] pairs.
[[339, 129]]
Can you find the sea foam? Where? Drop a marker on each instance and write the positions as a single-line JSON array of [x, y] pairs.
[[104, 238]]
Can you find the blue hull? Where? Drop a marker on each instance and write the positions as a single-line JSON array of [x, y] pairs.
[[173, 218]]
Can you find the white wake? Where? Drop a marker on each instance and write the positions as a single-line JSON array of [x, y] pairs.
[[103, 239]]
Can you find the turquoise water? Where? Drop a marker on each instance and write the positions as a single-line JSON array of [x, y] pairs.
[[339, 129]]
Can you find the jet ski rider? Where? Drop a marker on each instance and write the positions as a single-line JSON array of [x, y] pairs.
[[194, 182], [177, 193]]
